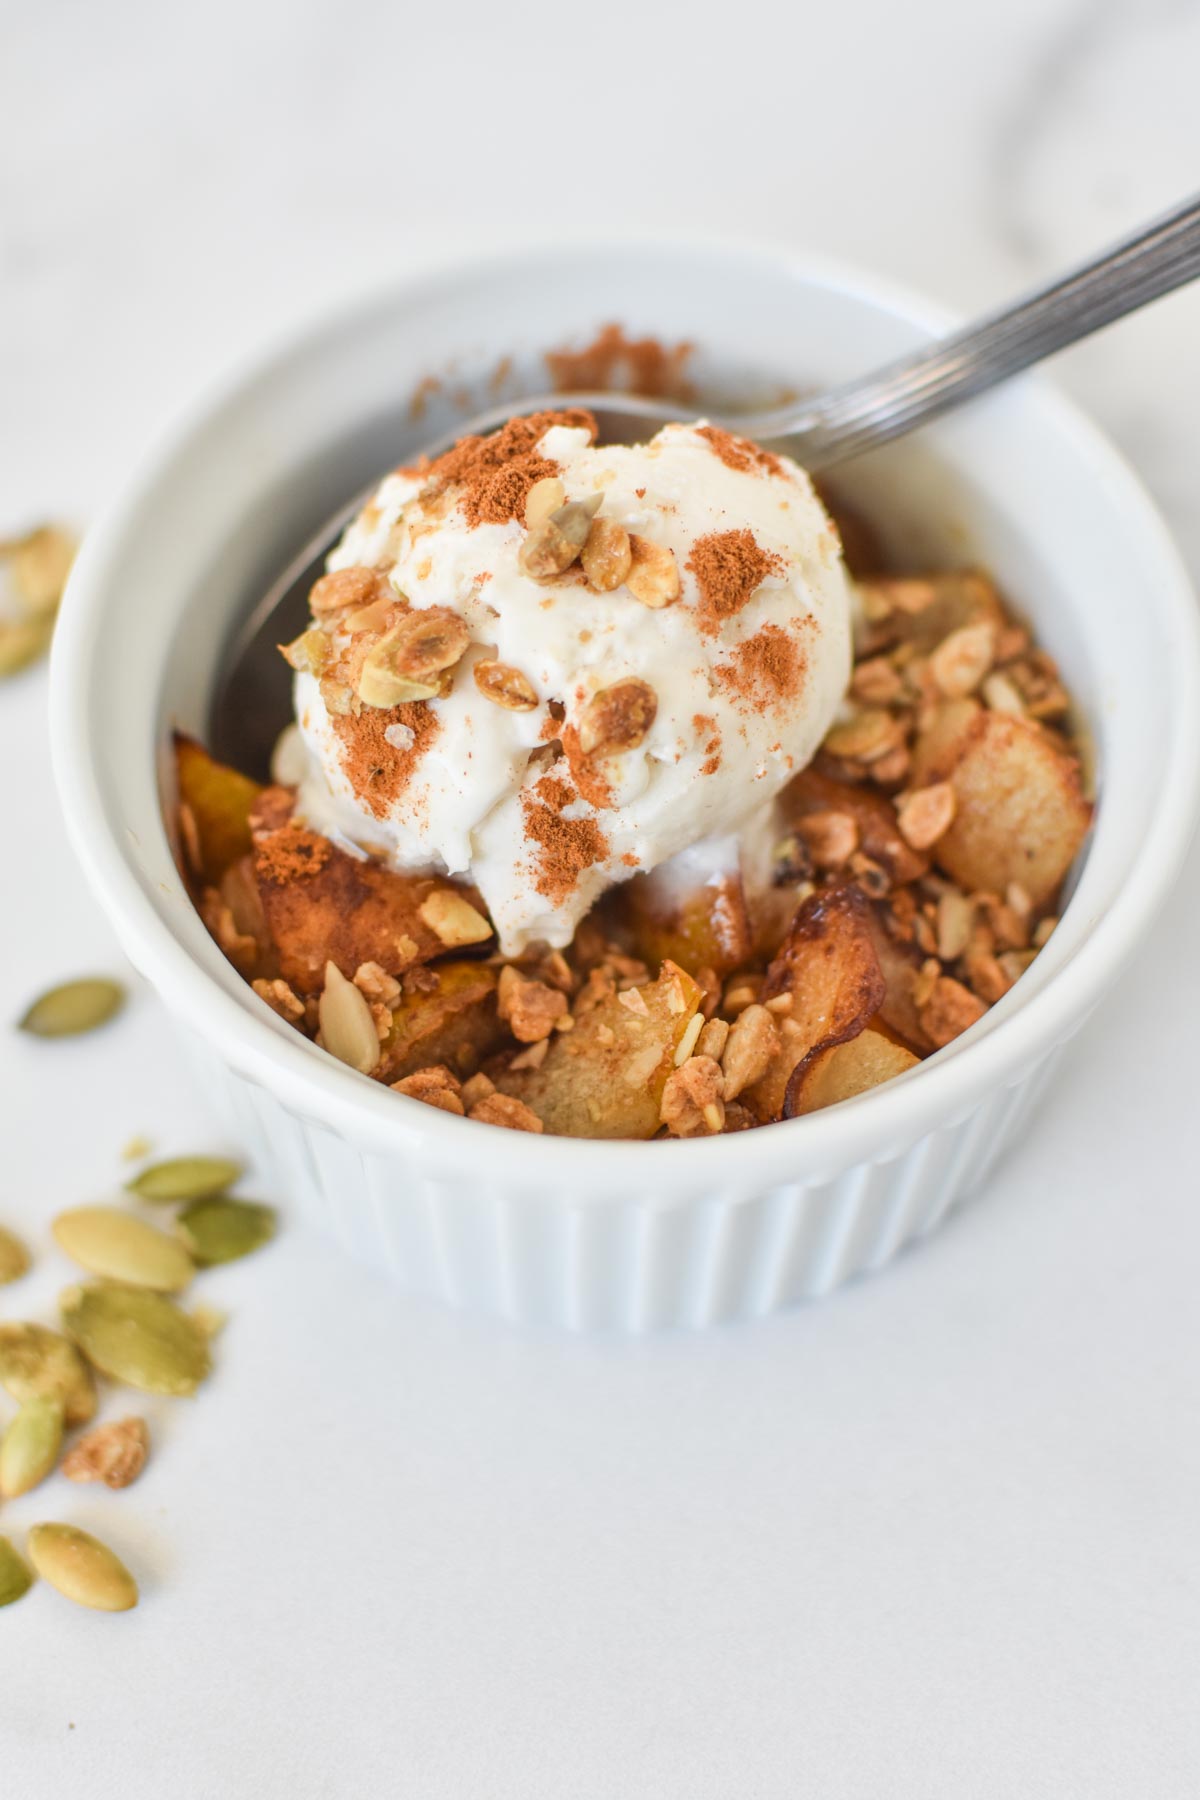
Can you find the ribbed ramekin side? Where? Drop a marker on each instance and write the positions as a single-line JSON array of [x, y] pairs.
[[630, 1262]]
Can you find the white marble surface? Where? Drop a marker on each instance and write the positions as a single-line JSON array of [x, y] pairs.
[[936, 1538]]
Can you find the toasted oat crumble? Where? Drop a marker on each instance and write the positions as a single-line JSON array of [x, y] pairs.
[[693, 1102]]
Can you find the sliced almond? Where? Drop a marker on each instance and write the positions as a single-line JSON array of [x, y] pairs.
[[955, 919], [687, 1042], [544, 497], [607, 555], [347, 1027], [505, 686], [653, 576], [618, 717], [453, 920]]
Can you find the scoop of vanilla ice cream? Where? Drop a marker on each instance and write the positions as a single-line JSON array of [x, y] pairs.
[[642, 725]]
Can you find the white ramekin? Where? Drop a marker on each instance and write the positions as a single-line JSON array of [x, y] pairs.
[[619, 1235]]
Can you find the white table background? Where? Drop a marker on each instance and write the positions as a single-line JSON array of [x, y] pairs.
[[938, 1537]]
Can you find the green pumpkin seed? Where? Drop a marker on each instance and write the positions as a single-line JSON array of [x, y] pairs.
[[22, 642], [41, 562], [106, 1241], [220, 1230], [82, 1568], [39, 1364], [75, 1007], [14, 1257], [185, 1178], [15, 1579], [29, 1448], [138, 1337]]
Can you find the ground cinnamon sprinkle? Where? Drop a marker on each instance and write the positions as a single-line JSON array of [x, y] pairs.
[[497, 472], [729, 566], [613, 361], [739, 453], [770, 667], [565, 847], [554, 792], [586, 771], [705, 724], [420, 396], [377, 769]]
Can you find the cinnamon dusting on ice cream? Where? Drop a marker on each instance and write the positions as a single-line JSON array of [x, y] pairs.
[[729, 566], [769, 667], [564, 847], [496, 473], [738, 452], [380, 750]]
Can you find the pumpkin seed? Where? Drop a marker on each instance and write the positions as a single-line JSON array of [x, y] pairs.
[[221, 1230], [22, 641], [106, 1241], [39, 1364], [185, 1178], [14, 1257], [82, 1568], [30, 1447], [75, 1007], [41, 562], [15, 1579], [137, 1336]]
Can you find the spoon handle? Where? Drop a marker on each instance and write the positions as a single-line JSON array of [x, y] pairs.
[[847, 420]]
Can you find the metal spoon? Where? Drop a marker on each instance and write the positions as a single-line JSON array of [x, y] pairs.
[[251, 700]]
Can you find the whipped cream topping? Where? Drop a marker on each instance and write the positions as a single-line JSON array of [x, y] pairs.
[[745, 668]]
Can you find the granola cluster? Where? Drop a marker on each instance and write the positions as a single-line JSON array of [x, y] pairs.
[[916, 875]]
